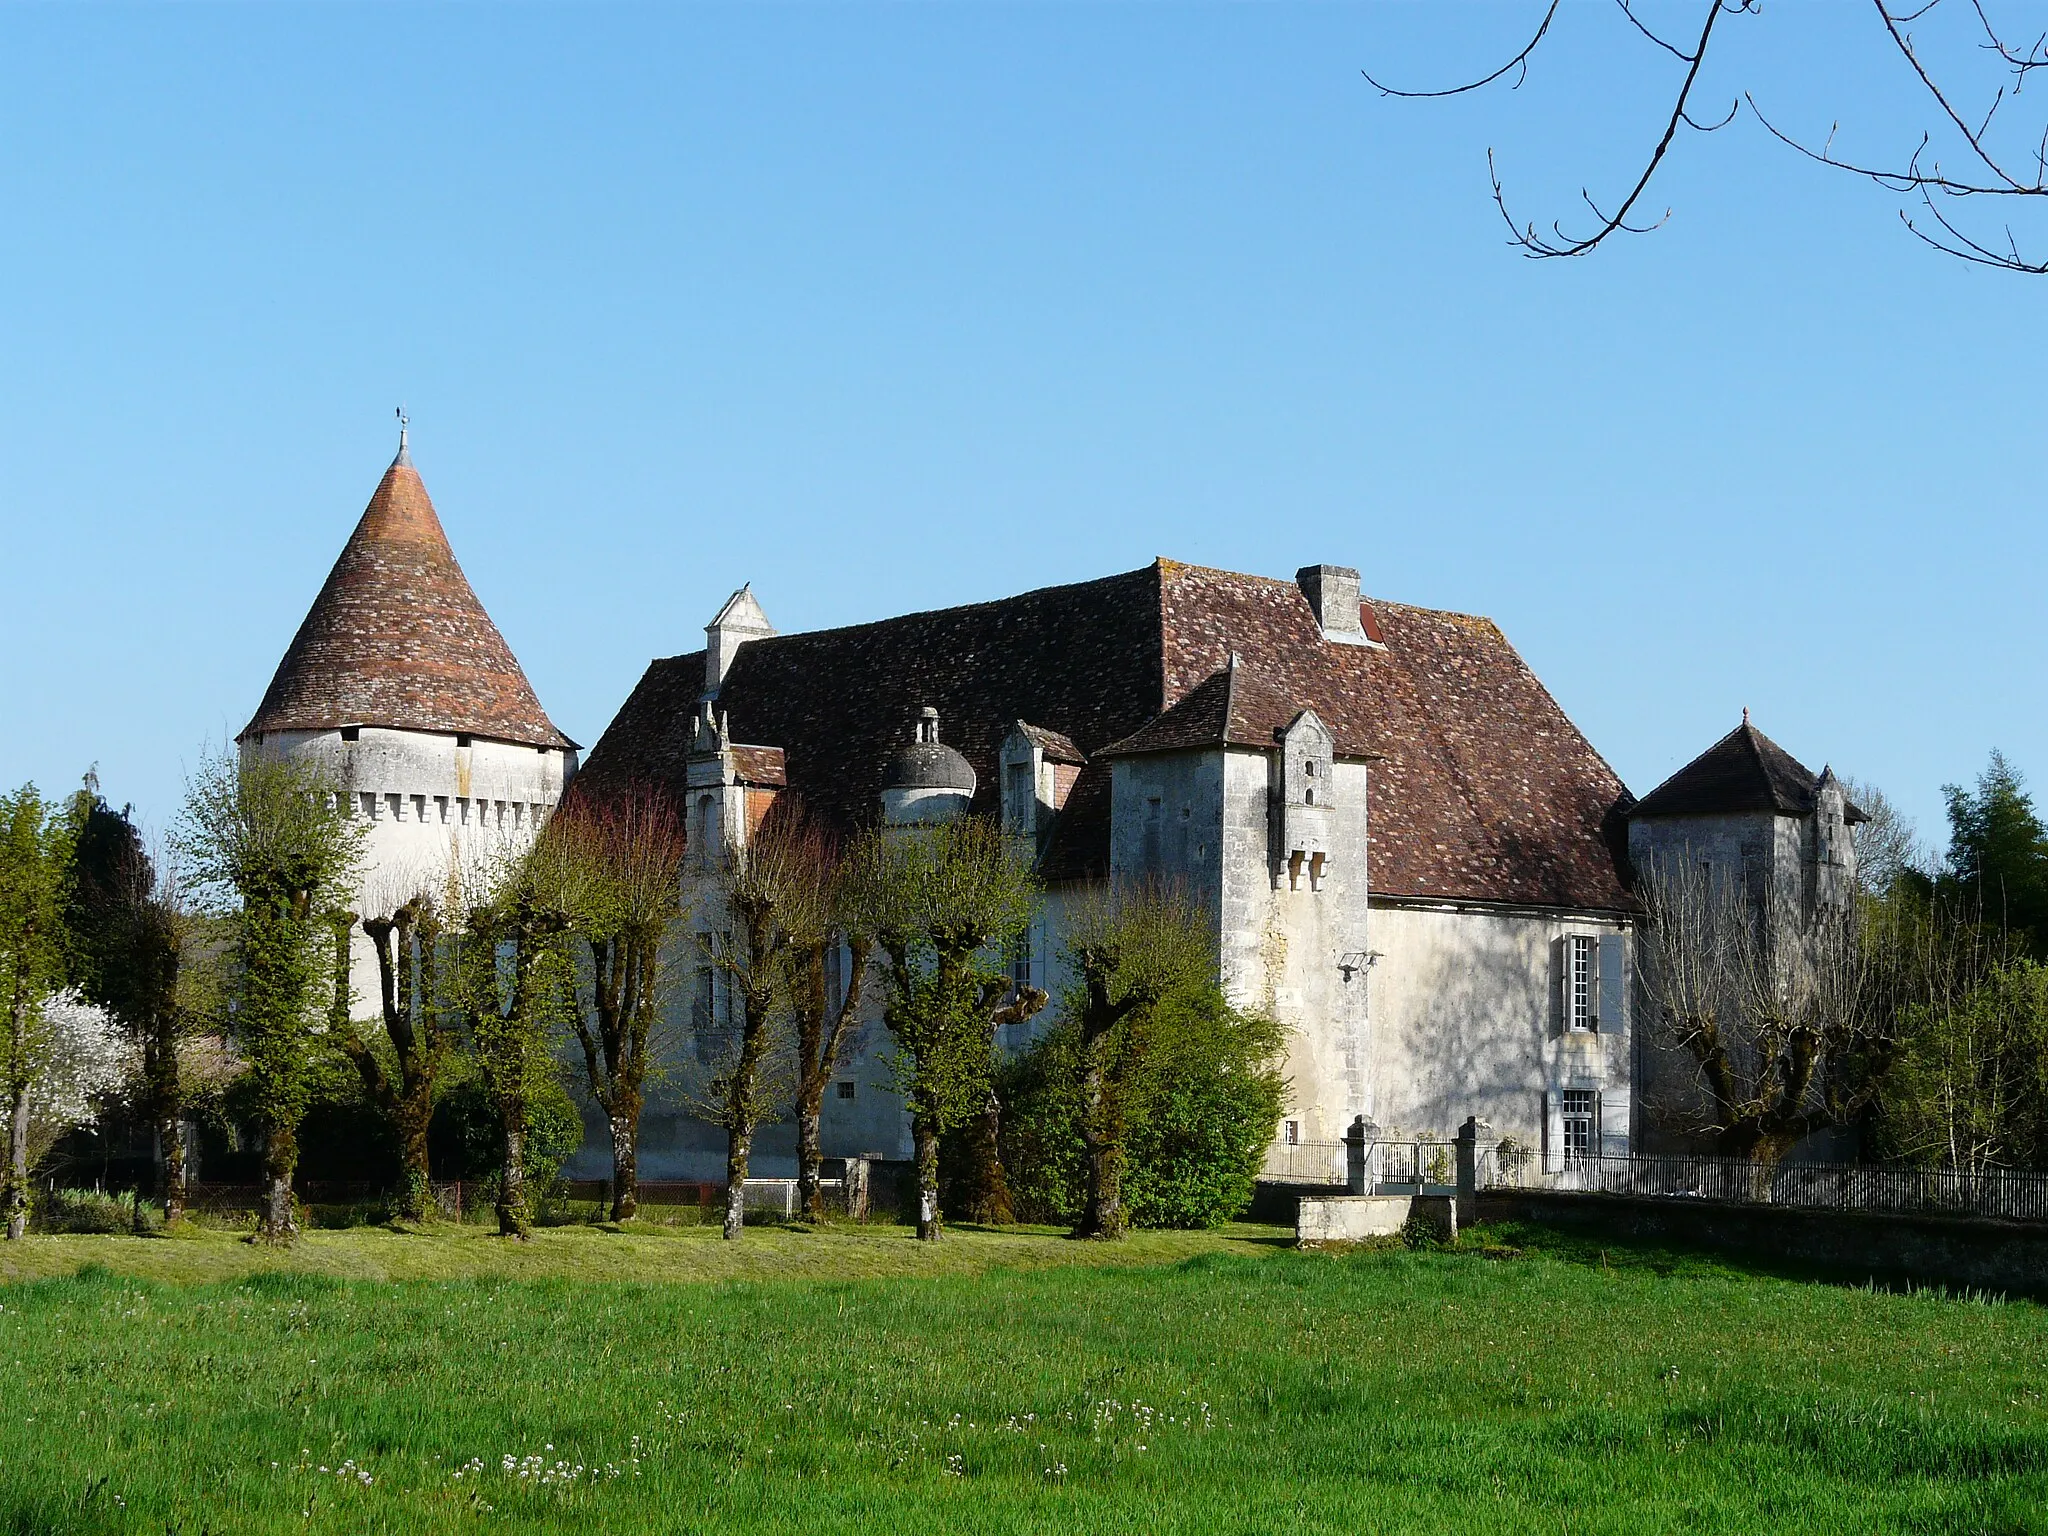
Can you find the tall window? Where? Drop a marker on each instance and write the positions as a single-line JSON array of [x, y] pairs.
[[1580, 1110], [1581, 981], [1023, 797]]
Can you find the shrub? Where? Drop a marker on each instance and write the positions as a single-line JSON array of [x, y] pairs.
[[1202, 1109], [467, 1140], [91, 1210]]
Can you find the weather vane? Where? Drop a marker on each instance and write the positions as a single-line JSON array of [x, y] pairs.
[[404, 421]]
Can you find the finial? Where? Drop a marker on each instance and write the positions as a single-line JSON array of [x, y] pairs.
[[404, 421], [1745, 714]]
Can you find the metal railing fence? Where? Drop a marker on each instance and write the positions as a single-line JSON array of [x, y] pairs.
[[2010, 1193]]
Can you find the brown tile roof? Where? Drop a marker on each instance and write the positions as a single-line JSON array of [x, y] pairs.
[[761, 766], [397, 638], [1057, 746], [1486, 791], [1743, 771]]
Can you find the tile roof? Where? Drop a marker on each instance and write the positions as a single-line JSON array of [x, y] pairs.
[[1056, 746], [1743, 771], [397, 638], [1485, 791]]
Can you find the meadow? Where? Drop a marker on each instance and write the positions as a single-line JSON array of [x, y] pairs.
[[850, 1381]]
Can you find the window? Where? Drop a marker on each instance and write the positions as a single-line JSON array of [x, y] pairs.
[[1020, 962], [1023, 798], [1291, 1134], [1581, 1108], [845, 1087], [351, 733], [462, 741], [1581, 981]]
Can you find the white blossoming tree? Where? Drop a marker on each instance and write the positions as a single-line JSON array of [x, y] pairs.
[[86, 1060]]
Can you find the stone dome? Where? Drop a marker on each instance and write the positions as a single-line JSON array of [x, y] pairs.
[[926, 763]]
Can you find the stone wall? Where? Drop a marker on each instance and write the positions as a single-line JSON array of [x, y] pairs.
[[1969, 1252], [432, 808], [1463, 1023]]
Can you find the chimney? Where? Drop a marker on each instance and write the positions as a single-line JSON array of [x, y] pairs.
[[1332, 591]]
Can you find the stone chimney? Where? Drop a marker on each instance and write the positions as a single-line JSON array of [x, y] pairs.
[[1332, 591]]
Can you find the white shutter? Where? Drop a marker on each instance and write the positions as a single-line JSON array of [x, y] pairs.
[[1612, 1108], [1560, 985], [1613, 1004]]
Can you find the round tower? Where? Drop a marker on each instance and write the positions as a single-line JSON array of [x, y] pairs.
[[400, 687]]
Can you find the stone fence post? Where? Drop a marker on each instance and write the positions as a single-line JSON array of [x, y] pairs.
[[857, 1189], [1358, 1139], [1468, 1168]]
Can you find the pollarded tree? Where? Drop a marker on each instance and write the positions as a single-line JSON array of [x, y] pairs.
[[512, 981], [1790, 1020], [831, 940], [949, 900], [625, 862], [270, 842], [769, 889], [35, 861], [1128, 952], [402, 1073]]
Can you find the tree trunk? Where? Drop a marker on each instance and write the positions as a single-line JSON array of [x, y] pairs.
[[513, 1219], [17, 1165], [278, 1222], [1104, 1216], [810, 1197], [170, 1133], [924, 1134], [990, 1201], [625, 1165], [738, 1145]]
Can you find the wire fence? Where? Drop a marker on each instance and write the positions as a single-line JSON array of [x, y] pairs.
[[2002, 1192]]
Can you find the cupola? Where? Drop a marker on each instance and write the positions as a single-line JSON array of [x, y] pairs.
[[925, 781]]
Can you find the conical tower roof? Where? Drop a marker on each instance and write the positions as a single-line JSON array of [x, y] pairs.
[[396, 638]]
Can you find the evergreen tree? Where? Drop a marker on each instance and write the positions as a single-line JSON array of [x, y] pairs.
[[1998, 854]]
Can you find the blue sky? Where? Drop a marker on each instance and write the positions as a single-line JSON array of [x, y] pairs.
[[894, 307]]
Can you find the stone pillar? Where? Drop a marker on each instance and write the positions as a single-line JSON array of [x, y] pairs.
[[857, 1188], [1358, 1140], [1468, 1168]]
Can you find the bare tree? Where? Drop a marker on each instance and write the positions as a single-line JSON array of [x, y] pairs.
[[1787, 1018], [1993, 159], [1888, 848]]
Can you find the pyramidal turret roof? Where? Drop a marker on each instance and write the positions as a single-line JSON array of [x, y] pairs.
[[1743, 771], [397, 638]]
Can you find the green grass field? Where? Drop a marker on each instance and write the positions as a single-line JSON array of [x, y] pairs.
[[849, 1381]]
